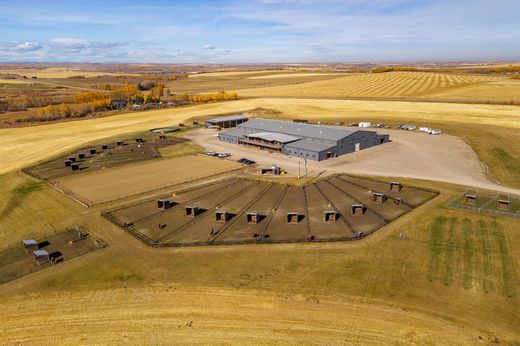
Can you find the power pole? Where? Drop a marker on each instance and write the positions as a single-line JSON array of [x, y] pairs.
[[305, 161]]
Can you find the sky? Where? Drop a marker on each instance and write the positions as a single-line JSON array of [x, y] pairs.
[[258, 31]]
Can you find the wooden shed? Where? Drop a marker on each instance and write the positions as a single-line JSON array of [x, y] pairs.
[[358, 209], [30, 245], [503, 204], [164, 204], [253, 217], [41, 256], [395, 186], [192, 211], [293, 217], [470, 199], [81, 156], [222, 216], [378, 197], [330, 216]]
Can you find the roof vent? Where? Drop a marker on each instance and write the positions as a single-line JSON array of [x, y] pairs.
[[321, 132]]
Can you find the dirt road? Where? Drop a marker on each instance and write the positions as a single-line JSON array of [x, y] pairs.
[[441, 158]]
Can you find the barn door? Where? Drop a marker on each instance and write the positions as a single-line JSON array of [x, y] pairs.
[[358, 146]]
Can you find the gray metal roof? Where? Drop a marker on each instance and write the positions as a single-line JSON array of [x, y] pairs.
[[228, 118], [331, 133], [271, 137], [30, 242], [311, 146], [235, 133], [40, 253]]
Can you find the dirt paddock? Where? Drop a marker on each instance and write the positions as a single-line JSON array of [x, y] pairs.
[[272, 204], [111, 183]]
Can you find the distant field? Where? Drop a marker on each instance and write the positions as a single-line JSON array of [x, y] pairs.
[[115, 182], [54, 73], [399, 85], [14, 81], [292, 75], [234, 73]]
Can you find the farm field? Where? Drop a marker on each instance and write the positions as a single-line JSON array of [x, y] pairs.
[[400, 85], [455, 270], [171, 226], [54, 72], [112, 183]]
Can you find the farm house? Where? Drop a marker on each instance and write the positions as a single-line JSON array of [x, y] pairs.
[[313, 142]]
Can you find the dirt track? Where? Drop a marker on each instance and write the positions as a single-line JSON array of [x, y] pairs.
[[441, 158]]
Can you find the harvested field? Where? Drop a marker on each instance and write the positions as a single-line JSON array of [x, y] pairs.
[[394, 85], [113, 183], [114, 155], [274, 206], [16, 261], [54, 73]]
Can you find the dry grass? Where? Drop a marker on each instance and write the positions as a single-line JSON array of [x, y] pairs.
[[219, 316], [399, 85], [181, 149], [429, 288]]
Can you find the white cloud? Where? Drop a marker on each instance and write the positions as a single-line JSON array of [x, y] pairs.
[[209, 46]]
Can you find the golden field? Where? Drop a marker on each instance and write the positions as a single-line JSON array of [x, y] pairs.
[[490, 129], [399, 85], [54, 73], [456, 272], [454, 279]]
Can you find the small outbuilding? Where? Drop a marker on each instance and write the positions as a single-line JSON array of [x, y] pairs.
[[293, 217], [192, 211], [81, 156], [395, 186], [503, 204], [253, 217], [120, 143], [330, 216], [72, 158], [139, 140], [358, 209], [41, 256], [226, 122], [164, 204], [30, 245], [104, 146], [470, 199], [93, 151], [378, 197], [75, 167], [67, 163], [222, 216]]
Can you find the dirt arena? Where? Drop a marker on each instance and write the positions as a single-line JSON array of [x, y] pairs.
[[111, 183]]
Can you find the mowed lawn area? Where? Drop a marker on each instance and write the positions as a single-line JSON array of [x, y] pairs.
[[135, 178]]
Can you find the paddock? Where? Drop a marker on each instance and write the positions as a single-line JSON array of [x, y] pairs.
[[238, 210]]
